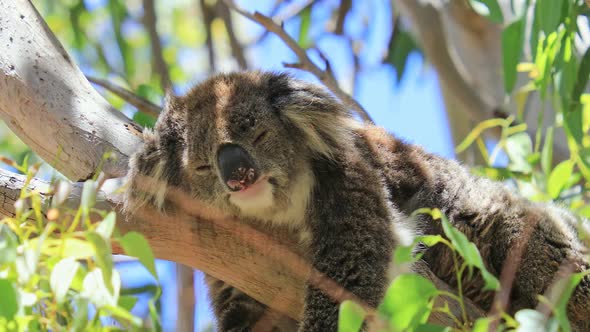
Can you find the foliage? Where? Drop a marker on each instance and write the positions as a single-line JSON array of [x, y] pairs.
[[56, 267]]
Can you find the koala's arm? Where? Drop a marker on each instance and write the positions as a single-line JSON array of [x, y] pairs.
[[537, 239], [352, 240]]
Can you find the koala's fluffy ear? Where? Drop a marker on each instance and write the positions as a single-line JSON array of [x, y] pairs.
[[157, 165], [323, 120]]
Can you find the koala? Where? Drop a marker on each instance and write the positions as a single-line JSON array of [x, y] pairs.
[[284, 154]]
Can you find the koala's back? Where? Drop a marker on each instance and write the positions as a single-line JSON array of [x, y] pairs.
[[530, 241]]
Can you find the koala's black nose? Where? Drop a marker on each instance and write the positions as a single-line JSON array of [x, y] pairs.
[[237, 168]]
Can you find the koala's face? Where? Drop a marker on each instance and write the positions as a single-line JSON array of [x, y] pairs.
[[242, 152]]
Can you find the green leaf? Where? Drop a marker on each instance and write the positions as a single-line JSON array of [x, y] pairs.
[[102, 254], [470, 254], [127, 302], [512, 44], [305, 16], [8, 245], [518, 147], [566, 287], [77, 248], [408, 301], [94, 288], [567, 72], [26, 263], [401, 45], [107, 225], [583, 75], [155, 317], [547, 152], [136, 245], [61, 277], [8, 300], [559, 177], [80, 320], [481, 325], [405, 254], [430, 240], [144, 120], [350, 317], [121, 313], [488, 8], [477, 131], [550, 14]]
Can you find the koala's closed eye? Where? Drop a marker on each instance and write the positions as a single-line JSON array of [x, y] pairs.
[[203, 169], [260, 137]]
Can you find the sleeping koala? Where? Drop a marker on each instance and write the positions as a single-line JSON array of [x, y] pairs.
[[282, 153]]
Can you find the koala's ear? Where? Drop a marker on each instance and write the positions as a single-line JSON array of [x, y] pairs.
[[157, 165], [323, 120], [173, 112]]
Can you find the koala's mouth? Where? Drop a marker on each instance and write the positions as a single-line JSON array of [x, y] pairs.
[[240, 188]]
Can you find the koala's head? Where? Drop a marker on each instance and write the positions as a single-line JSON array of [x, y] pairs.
[[244, 142]]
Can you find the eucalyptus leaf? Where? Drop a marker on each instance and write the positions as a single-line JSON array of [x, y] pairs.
[[136, 245], [559, 177], [408, 301], [103, 256], [95, 289], [8, 245], [107, 225], [8, 299], [61, 278], [512, 44], [350, 317]]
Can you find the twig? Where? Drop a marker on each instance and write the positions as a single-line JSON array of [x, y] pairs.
[[149, 21], [143, 105], [237, 49], [344, 8], [207, 20], [325, 76], [291, 10]]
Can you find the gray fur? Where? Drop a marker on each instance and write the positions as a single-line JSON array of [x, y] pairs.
[[342, 188]]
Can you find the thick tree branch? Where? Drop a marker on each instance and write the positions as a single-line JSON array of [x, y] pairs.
[[46, 100], [221, 247], [305, 63]]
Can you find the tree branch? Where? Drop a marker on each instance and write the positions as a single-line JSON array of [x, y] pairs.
[[305, 63], [345, 6], [208, 16], [46, 100], [149, 22], [141, 104], [221, 247], [237, 50]]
